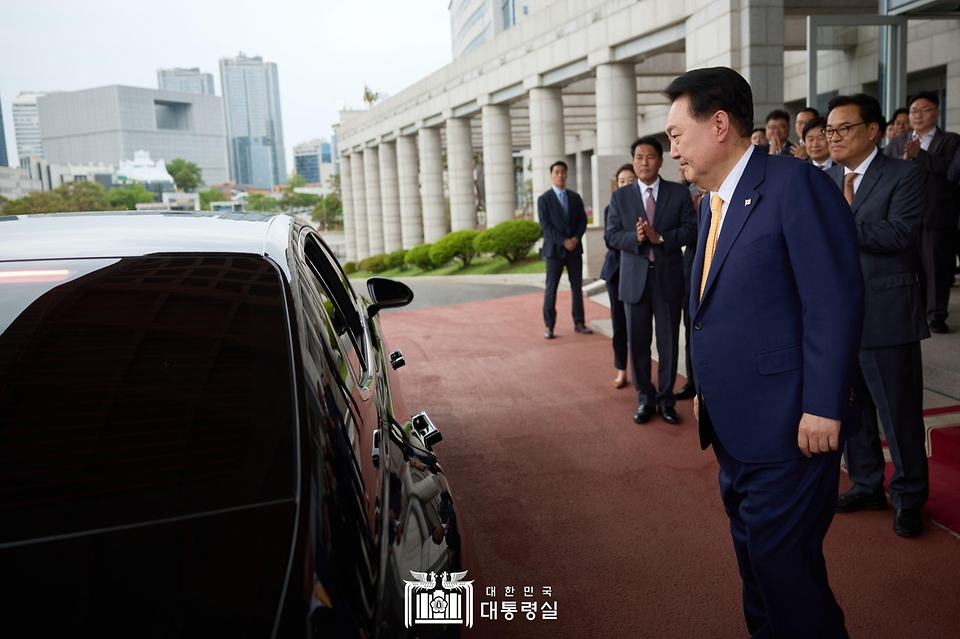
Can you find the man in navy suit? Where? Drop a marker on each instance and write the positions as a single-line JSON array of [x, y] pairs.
[[887, 199], [777, 305], [650, 221], [563, 221]]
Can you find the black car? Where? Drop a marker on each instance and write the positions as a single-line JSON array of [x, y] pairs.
[[201, 435]]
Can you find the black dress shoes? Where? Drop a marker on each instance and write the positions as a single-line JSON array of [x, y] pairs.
[[582, 328], [939, 326], [643, 414], [548, 334], [907, 522], [669, 415], [689, 391], [851, 503]]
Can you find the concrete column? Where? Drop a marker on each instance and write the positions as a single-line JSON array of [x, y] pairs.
[[616, 128], [390, 196], [460, 165], [371, 168], [499, 185], [546, 135], [431, 185], [346, 199], [359, 205], [585, 177], [411, 221]]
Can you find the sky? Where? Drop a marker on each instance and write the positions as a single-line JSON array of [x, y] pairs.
[[325, 50]]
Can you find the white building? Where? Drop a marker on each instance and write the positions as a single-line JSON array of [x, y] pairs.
[[53, 174], [315, 160], [473, 22], [26, 124], [15, 183], [142, 170], [185, 80]]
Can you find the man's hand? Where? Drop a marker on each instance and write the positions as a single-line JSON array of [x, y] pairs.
[[799, 152], [641, 233], [649, 232], [569, 244], [696, 408], [818, 434], [911, 149], [776, 146]]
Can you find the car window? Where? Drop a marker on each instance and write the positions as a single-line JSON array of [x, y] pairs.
[[142, 389]]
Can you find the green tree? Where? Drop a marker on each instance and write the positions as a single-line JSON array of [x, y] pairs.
[[127, 197], [186, 175], [84, 196], [328, 211], [37, 202], [260, 202], [296, 181], [457, 245], [211, 195], [512, 239]]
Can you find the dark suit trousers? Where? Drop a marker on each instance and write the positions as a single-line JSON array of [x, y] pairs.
[[685, 309], [779, 515], [618, 317], [639, 333], [893, 376], [937, 259], [555, 265]]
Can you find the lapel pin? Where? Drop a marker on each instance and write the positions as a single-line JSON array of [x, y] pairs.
[[747, 202]]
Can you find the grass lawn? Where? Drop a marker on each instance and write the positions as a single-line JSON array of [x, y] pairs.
[[484, 265]]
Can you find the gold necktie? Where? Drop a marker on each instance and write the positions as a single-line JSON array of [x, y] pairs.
[[716, 210], [848, 187]]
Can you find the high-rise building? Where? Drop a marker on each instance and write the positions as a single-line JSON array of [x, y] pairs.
[[3, 143], [110, 124], [186, 80], [26, 124], [473, 22], [251, 104], [315, 160]]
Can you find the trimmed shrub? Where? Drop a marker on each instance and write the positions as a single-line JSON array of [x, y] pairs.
[[512, 239], [350, 268], [455, 246], [375, 263], [395, 259], [419, 256]]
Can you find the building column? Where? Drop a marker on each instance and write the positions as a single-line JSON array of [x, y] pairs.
[[616, 128], [359, 205], [411, 221], [460, 165], [585, 176], [431, 185], [390, 196], [546, 135], [346, 199], [371, 169], [498, 178]]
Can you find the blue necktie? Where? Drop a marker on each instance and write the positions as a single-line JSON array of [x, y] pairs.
[[563, 202]]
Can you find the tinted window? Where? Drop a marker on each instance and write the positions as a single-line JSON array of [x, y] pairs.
[[337, 288], [141, 389]]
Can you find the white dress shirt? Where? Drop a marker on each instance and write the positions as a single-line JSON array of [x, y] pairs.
[[860, 170], [729, 186], [645, 196], [826, 164], [926, 139]]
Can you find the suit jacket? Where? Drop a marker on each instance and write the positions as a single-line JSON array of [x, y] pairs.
[[886, 209], [777, 332], [953, 173], [558, 226], [941, 207], [674, 219], [611, 261]]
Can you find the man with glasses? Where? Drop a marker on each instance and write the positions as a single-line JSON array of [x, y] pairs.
[[886, 199], [778, 133], [932, 149]]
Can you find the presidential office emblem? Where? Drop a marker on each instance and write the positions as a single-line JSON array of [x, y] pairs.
[[450, 602]]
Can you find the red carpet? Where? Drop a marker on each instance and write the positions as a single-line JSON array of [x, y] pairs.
[[557, 487]]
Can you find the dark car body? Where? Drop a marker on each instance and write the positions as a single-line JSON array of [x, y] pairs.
[[201, 435]]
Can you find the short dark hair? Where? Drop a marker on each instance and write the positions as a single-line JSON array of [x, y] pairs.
[[625, 167], [759, 129], [925, 95], [817, 123], [868, 106], [649, 140], [716, 89], [778, 114], [559, 163], [815, 113], [902, 110]]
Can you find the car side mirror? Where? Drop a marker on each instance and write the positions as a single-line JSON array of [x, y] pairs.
[[387, 293]]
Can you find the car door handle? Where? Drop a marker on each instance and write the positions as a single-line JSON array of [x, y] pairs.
[[376, 448], [396, 359]]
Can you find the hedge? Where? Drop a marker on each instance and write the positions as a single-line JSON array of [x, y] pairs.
[[350, 268], [375, 263], [512, 239], [419, 256], [395, 259], [457, 245]]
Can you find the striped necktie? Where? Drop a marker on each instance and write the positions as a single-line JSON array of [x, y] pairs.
[[716, 211]]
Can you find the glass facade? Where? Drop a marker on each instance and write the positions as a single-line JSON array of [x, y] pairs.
[[308, 166]]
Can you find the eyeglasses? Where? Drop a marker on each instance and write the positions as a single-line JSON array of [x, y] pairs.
[[924, 110], [843, 130]]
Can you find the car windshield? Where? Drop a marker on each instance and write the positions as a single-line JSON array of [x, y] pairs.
[[141, 389]]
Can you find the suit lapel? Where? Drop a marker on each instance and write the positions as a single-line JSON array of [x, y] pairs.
[[868, 181], [936, 141], [744, 201], [703, 224], [661, 206]]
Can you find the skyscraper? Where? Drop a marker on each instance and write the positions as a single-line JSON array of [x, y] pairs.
[[185, 80], [315, 160], [26, 124], [251, 104], [3, 143]]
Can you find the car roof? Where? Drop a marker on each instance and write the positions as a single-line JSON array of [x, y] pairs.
[[129, 233]]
